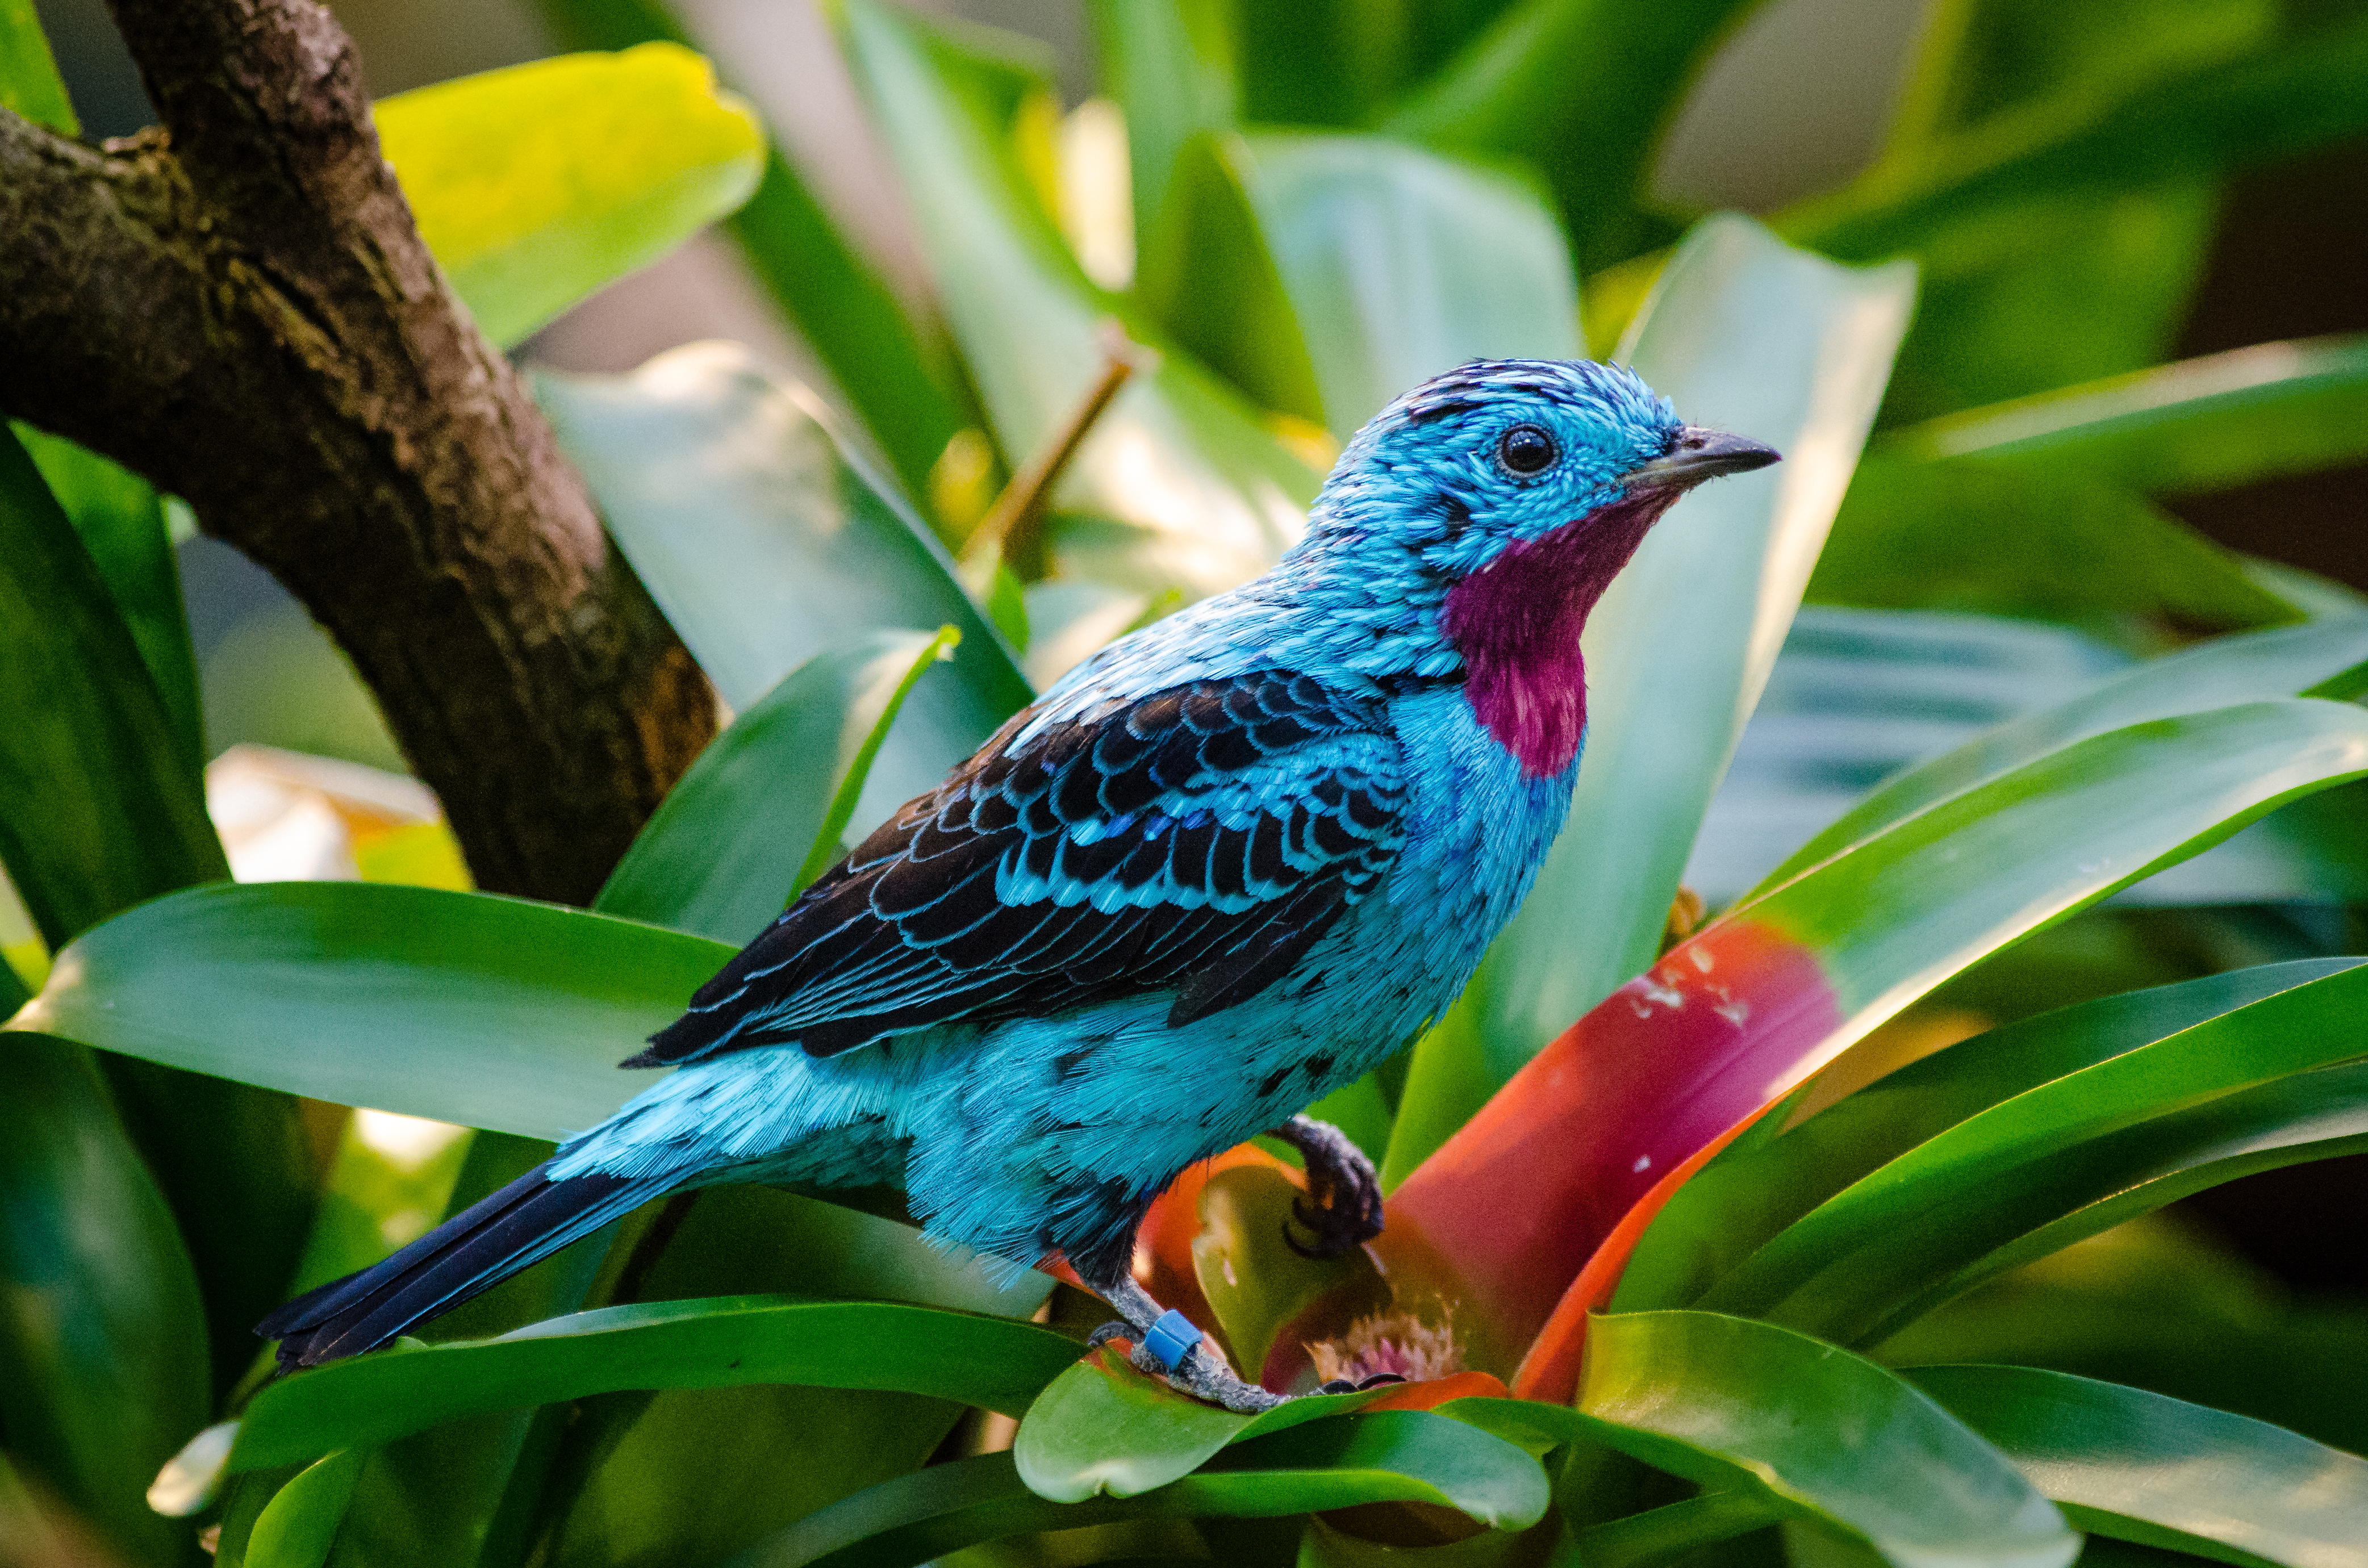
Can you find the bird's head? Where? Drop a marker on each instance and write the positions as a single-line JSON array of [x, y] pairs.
[[1497, 502]]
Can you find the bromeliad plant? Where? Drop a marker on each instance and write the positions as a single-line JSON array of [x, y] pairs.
[[1668, 1283]]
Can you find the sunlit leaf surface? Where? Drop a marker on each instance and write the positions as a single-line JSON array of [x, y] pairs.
[[537, 184], [766, 543], [1195, 493]]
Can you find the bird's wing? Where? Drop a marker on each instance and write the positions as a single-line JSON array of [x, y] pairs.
[[1200, 839]]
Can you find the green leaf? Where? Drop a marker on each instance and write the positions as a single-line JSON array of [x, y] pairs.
[[1860, 694], [694, 1474], [766, 541], [464, 1007], [2231, 1335], [29, 76], [1746, 334], [101, 806], [1981, 58], [1104, 1428], [298, 1526], [2050, 479], [1581, 88], [1326, 62], [103, 1353], [1821, 1434], [2147, 1468], [500, 1012], [828, 847], [2064, 284], [992, 1362], [2324, 659], [120, 519], [1750, 1192], [1393, 1456], [1257, 1283], [894, 368], [1169, 65], [2051, 288], [2269, 1083], [537, 184], [1400, 264], [729, 840], [1969, 536], [1208, 273], [2209, 423], [436, 1496], [2211, 119], [1179, 484]]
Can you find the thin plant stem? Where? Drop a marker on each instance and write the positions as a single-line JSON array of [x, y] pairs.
[[1010, 527]]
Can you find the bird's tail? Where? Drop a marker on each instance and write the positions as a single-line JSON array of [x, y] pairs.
[[479, 1248]]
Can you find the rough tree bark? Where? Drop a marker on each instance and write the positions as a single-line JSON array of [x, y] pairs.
[[238, 307]]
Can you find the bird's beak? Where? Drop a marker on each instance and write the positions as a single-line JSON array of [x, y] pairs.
[[1698, 454]]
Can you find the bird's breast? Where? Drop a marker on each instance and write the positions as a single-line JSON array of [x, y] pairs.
[[1478, 826]]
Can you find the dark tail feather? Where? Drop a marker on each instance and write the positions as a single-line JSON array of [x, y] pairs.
[[528, 1219]]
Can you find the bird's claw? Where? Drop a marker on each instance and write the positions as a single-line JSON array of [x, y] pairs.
[[1343, 1385], [1342, 1210]]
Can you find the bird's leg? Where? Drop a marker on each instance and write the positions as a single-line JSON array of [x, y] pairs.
[[1167, 1345], [1343, 1206]]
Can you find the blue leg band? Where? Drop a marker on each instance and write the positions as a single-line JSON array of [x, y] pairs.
[[1170, 1339]]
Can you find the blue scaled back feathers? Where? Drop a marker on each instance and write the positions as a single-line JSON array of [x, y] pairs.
[[1198, 840]]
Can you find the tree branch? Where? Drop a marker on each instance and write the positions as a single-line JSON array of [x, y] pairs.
[[239, 308]]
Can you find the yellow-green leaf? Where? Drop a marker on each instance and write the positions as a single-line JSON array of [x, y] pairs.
[[536, 184]]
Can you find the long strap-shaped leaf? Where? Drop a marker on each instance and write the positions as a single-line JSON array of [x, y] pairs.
[[767, 541], [2067, 1158], [2207, 424], [1378, 266], [1401, 1456], [467, 1007], [2324, 659], [1754, 1187], [29, 83], [2144, 1467], [368, 1401], [1815, 1431], [122, 521], [2297, 95], [1751, 1006], [1579, 89], [888, 358], [727, 846], [298, 1526], [103, 1356], [1207, 498], [100, 807]]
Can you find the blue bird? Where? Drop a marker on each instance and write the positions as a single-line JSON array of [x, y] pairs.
[[1223, 867]]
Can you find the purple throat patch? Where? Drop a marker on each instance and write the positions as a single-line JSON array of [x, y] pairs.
[[1517, 622]]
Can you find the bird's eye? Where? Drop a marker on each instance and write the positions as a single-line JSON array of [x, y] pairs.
[[1527, 450]]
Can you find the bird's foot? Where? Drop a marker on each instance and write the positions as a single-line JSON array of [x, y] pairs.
[[1168, 1347], [1342, 1210], [1199, 1367]]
